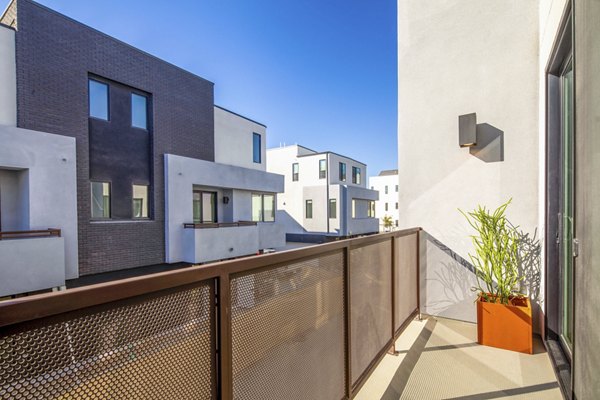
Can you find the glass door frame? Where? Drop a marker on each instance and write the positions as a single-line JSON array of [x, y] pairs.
[[565, 241], [214, 196]]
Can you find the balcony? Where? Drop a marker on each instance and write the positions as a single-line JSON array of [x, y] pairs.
[[209, 242], [31, 260], [324, 322]]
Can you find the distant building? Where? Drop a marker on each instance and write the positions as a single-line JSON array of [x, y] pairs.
[[325, 194], [386, 183]]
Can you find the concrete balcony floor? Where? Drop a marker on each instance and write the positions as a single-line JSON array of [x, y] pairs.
[[439, 358]]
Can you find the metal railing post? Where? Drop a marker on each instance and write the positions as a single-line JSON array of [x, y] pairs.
[[347, 321], [225, 345], [393, 281]]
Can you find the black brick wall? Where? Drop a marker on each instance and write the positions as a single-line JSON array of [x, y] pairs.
[[54, 57]]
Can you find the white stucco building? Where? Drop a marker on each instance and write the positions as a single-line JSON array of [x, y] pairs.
[[223, 209], [386, 183], [325, 194]]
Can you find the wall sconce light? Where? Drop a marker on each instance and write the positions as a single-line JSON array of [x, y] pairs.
[[225, 200], [467, 130]]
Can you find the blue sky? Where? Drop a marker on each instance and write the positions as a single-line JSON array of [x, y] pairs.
[[317, 73]]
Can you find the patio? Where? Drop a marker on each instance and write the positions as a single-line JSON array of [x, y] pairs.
[[438, 358]]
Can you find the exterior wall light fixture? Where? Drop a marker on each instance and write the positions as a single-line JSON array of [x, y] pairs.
[[467, 130]]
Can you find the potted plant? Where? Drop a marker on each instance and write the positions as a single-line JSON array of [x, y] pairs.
[[503, 314]]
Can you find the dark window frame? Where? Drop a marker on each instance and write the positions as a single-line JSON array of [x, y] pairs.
[[92, 217], [306, 209], [322, 168], [146, 97], [262, 206], [332, 211], [148, 210], [342, 169], [98, 81], [215, 207], [256, 156], [356, 175]]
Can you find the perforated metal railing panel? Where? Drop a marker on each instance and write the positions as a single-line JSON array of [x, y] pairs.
[[288, 331], [157, 347], [370, 303], [406, 278]]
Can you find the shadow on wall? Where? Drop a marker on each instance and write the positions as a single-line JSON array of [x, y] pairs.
[[490, 144], [289, 223], [446, 281], [530, 264]]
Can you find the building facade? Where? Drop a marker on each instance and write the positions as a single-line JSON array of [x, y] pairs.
[[325, 194], [386, 183], [120, 119], [499, 101]]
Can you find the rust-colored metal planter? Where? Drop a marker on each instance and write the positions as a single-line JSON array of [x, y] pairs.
[[505, 326]]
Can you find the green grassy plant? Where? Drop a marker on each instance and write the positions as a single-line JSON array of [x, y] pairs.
[[496, 258]]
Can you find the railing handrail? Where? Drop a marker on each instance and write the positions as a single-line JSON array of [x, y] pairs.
[[208, 225], [48, 304], [30, 234]]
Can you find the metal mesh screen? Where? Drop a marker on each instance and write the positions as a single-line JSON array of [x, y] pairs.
[[406, 278], [288, 331], [158, 347], [370, 303]]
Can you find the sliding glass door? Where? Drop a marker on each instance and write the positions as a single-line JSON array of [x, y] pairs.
[[567, 209], [205, 207]]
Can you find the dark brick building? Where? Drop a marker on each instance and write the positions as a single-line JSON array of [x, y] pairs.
[[56, 58]]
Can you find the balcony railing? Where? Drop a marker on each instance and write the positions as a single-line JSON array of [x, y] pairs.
[[207, 225], [310, 323], [51, 232]]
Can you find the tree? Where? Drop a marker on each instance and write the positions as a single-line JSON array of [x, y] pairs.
[[387, 222]]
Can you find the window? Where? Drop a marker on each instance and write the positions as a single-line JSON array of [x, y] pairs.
[[205, 207], [371, 210], [372, 187], [139, 111], [256, 148], [396, 223], [322, 169], [356, 175], [396, 205], [386, 206], [353, 208], [332, 208], [98, 99], [269, 207], [386, 189], [396, 188], [263, 207], [140, 201], [309, 210], [100, 200], [295, 171], [343, 172]]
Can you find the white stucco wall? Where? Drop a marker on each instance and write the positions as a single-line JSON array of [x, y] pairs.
[[8, 78], [379, 183], [31, 264], [47, 184], [183, 174], [233, 140], [458, 57], [204, 245], [501, 72], [444, 72]]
